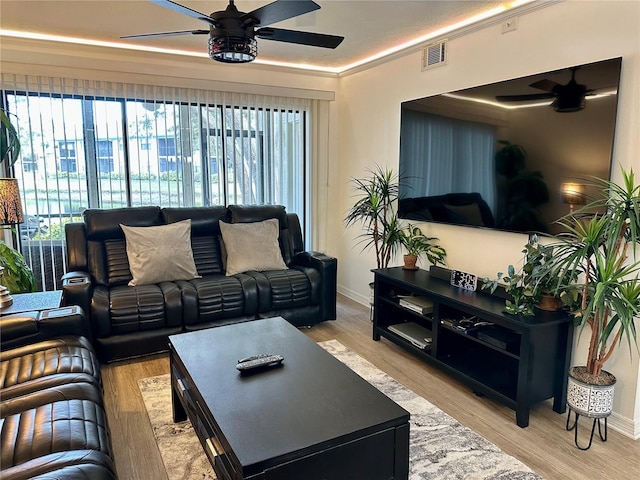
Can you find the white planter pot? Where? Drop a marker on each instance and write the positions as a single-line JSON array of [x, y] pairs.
[[594, 401]]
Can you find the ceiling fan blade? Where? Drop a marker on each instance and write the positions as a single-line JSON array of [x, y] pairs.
[[303, 38], [545, 84], [278, 11], [524, 98], [176, 7], [167, 34]]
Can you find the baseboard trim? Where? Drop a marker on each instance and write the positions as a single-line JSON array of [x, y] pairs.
[[353, 295], [625, 426]]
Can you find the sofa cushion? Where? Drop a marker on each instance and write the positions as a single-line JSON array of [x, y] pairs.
[[124, 309], [286, 289], [60, 419], [48, 363], [160, 253], [205, 235], [104, 224], [71, 465], [218, 297], [106, 251], [252, 246]]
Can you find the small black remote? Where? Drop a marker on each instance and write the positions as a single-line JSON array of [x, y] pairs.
[[258, 362]]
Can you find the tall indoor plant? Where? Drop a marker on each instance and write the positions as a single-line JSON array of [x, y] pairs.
[[375, 209], [602, 250]]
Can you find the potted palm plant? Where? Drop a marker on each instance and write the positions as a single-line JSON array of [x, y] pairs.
[[417, 243], [601, 251], [375, 209]]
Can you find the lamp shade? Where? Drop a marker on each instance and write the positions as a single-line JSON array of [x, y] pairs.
[[573, 193], [10, 205]]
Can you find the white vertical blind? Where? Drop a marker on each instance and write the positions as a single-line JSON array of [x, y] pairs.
[[97, 144]]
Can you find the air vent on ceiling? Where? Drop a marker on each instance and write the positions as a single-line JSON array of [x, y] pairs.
[[434, 55]]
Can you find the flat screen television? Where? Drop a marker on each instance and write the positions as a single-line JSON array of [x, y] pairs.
[[512, 155]]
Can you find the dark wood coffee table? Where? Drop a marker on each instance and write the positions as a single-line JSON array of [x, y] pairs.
[[312, 419]]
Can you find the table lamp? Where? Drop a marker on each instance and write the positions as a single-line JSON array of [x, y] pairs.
[[573, 194], [10, 214]]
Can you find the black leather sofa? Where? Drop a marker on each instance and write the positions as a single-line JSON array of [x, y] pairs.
[[458, 208], [52, 419], [131, 321]]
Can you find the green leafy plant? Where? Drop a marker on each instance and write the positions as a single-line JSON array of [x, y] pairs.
[[417, 243], [16, 274], [601, 250], [375, 210], [522, 292], [9, 140], [528, 285]]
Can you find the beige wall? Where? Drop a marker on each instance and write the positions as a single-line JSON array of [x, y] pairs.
[[565, 34], [364, 120]]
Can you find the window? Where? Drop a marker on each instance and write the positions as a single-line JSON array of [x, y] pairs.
[[167, 154], [68, 160], [105, 156], [93, 147]]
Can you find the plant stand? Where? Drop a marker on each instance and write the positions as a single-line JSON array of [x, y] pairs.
[[591, 401], [574, 427]]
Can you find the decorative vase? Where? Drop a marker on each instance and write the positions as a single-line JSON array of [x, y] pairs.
[[410, 262], [549, 303]]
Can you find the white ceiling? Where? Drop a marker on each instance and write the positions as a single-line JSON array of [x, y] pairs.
[[369, 26]]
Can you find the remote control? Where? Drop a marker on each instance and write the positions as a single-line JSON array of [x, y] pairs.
[[259, 362]]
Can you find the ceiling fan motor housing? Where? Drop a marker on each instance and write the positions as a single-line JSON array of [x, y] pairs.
[[570, 97], [232, 40]]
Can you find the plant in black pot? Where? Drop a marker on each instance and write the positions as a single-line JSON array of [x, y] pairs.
[[601, 251]]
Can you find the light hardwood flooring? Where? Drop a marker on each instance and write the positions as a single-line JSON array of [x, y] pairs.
[[544, 446]]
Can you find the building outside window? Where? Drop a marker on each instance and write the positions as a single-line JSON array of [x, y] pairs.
[[68, 159]]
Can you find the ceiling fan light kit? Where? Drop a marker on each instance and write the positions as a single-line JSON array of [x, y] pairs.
[[228, 49], [232, 33]]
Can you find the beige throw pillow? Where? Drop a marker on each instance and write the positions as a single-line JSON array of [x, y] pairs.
[[252, 246], [160, 253]]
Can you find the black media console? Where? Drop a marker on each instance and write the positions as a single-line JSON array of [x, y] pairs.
[[516, 360]]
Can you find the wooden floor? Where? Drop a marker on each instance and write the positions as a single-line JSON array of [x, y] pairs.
[[544, 446]]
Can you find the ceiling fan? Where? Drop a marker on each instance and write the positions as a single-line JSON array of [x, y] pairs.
[[232, 33], [568, 98]]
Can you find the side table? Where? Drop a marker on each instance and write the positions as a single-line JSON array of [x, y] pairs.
[[29, 302]]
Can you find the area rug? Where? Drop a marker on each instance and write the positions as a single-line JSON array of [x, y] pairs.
[[439, 446]]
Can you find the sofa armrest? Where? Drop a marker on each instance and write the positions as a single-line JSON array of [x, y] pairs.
[[328, 268], [29, 327], [77, 289]]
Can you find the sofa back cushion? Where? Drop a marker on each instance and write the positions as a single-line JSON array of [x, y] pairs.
[[205, 235], [106, 247], [259, 213]]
